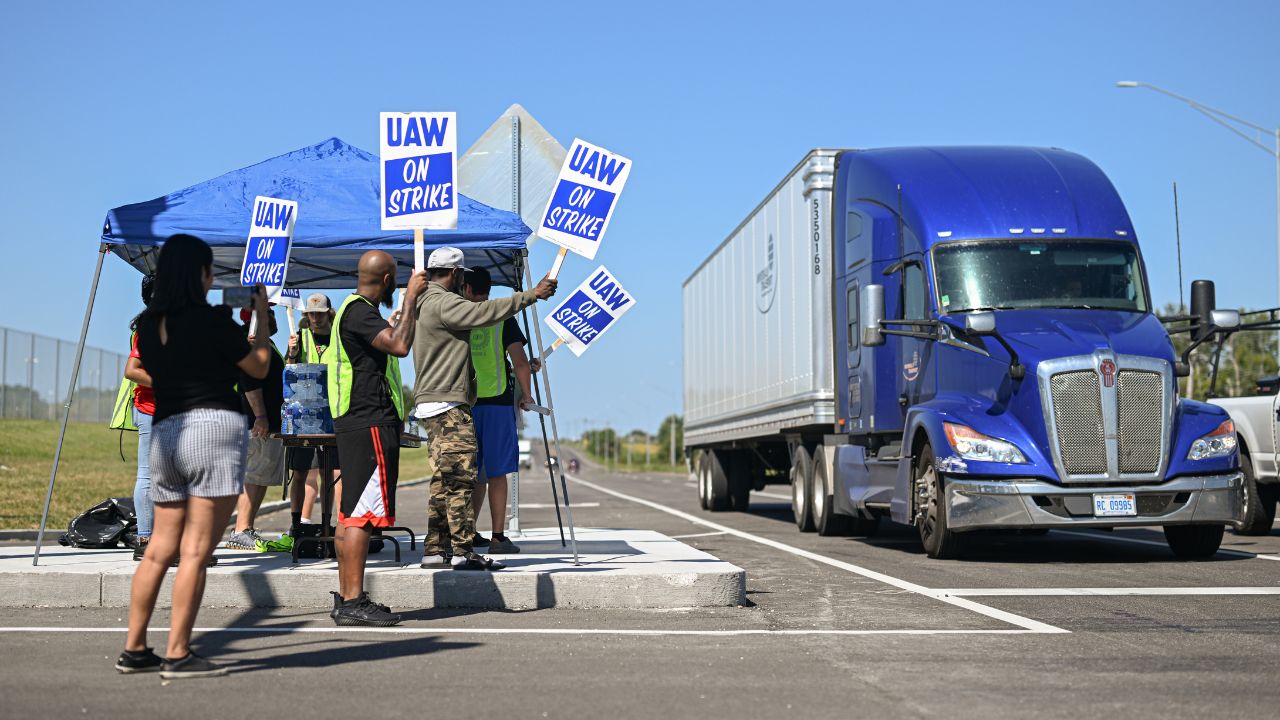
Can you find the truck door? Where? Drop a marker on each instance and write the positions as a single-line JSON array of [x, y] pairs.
[[857, 260], [916, 382]]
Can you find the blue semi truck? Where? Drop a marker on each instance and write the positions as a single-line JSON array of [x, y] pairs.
[[959, 339]]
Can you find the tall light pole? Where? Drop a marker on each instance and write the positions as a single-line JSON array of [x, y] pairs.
[[1234, 124]]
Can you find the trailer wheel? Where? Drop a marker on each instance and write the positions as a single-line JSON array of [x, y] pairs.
[[801, 477], [702, 477], [1194, 542], [930, 509], [1259, 502], [717, 481]]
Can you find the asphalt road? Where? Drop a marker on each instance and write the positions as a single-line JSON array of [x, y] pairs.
[[1065, 625]]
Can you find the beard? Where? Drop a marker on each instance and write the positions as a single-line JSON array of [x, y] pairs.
[[388, 295]]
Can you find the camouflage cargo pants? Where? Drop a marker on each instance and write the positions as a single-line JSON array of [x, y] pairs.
[[451, 520]]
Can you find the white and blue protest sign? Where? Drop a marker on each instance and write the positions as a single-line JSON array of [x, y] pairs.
[[584, 198], [419, 170], [266, 255], [590, 310], [291, 297]]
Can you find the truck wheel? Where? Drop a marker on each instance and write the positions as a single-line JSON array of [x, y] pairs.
[[801, 476], [930, 509], [740, 481], [1194, 542], [717, 481], [702, 477], [1259, 502], [825, 519]]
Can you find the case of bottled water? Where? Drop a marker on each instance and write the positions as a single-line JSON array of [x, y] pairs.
[[306, 400]]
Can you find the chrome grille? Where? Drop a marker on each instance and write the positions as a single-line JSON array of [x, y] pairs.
[[1139, 420], [1077, 415]]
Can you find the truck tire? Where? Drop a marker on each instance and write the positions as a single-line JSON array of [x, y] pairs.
[[717, 481], [939, 542], [825, 519], [801, 489], [739, 468], [1259, 502], [702, 477], [1194, 542]]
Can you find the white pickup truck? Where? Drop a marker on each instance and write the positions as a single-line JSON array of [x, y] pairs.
[[1257, 421]]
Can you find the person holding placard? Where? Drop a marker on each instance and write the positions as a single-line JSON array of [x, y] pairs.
[[365, 397], [498, 453], [444, 392]]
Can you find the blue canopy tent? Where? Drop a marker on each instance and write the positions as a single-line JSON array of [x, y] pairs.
[[337, 189]]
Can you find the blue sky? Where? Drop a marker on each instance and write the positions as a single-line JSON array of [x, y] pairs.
[[112, 103]]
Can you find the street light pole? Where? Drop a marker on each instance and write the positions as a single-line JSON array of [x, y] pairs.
[[1226, 119]]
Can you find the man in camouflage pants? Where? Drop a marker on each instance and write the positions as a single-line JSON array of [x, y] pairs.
[[444, 392]]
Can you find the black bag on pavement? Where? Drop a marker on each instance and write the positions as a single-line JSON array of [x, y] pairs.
[[103, 526]]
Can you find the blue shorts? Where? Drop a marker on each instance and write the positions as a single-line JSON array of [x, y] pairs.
[[496, 449]]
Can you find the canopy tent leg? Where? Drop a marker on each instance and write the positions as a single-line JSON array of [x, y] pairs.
[[71, 391], [546, 446], [557, 467]]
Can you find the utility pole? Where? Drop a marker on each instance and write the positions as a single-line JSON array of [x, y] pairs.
[[671, 432]]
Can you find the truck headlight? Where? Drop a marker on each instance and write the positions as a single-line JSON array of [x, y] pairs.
[[973, 445], [1219, 443]]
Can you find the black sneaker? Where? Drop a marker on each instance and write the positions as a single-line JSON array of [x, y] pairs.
[[337, 603], [191, 666], [476, 561], [138, 662], [501, 545], [434, 559], [480, 541], [363, 611]]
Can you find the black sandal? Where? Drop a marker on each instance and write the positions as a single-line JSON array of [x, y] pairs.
[[476, 561]]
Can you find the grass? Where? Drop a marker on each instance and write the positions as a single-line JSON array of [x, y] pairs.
[[90, 469], [657, 455]]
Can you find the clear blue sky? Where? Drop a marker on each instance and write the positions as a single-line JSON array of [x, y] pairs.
[[112, 103]]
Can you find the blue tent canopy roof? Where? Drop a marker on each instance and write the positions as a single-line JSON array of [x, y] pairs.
[[337, 190]]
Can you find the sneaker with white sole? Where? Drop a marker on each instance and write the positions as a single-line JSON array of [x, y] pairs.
[[138, 662], [244, 540]]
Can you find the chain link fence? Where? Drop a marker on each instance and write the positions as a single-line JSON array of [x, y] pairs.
[[35, 371]]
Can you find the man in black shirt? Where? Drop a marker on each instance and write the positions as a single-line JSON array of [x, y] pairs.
[[264, 463], [366, 398]]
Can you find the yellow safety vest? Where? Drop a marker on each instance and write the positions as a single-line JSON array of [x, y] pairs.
[[488, 357], [308, 351], [341, 374]]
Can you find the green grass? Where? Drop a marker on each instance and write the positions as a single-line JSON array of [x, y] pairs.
[[658, 457], [90, 470]]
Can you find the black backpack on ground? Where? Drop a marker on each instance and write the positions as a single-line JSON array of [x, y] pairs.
[[103, 526]]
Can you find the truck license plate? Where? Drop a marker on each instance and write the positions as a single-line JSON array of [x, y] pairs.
[[1115, 505]]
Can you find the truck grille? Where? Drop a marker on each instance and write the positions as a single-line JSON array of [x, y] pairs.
[[1139, 420], [1077, 413], [1116, 433]]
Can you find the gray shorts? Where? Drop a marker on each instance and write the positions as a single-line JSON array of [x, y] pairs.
[[198, 453]]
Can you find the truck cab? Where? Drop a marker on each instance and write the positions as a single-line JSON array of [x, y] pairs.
[[998, 363]]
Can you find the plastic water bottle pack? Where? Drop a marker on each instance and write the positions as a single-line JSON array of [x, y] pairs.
[[306, 400]]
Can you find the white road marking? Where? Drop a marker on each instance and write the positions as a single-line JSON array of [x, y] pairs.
[[994, 613], [1105, 591], [427, 630], [550, 506], [695, 535], [1157, 543], [773, 495]]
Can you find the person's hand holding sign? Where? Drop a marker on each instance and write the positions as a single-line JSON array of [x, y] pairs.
[[546, 288], [292, 351]]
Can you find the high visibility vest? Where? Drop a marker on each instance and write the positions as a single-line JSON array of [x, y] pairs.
[[122, 411], [488, 357], [308, 352], [341, 374]]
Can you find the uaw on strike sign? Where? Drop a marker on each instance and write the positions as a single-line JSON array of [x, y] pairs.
[[419, 170], [266, 255], [584, 197], [592, 309]]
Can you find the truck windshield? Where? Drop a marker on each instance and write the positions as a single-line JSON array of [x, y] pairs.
[[1006, 275]]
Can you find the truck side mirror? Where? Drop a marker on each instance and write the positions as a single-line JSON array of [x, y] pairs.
[[1225, 319], [1203, 302], [872, 315], [980, 323]]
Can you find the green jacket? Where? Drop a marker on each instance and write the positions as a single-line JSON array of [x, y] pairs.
[[442, 342]]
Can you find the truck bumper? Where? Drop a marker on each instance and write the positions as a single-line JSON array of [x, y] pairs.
[[977, 504]]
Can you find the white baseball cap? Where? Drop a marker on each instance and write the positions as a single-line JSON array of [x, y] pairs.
[[446, 258], [318, 302]]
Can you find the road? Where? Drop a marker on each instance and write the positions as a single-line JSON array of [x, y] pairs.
[[1067, 625]]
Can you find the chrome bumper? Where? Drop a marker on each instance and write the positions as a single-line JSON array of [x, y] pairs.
[[976, 504]]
